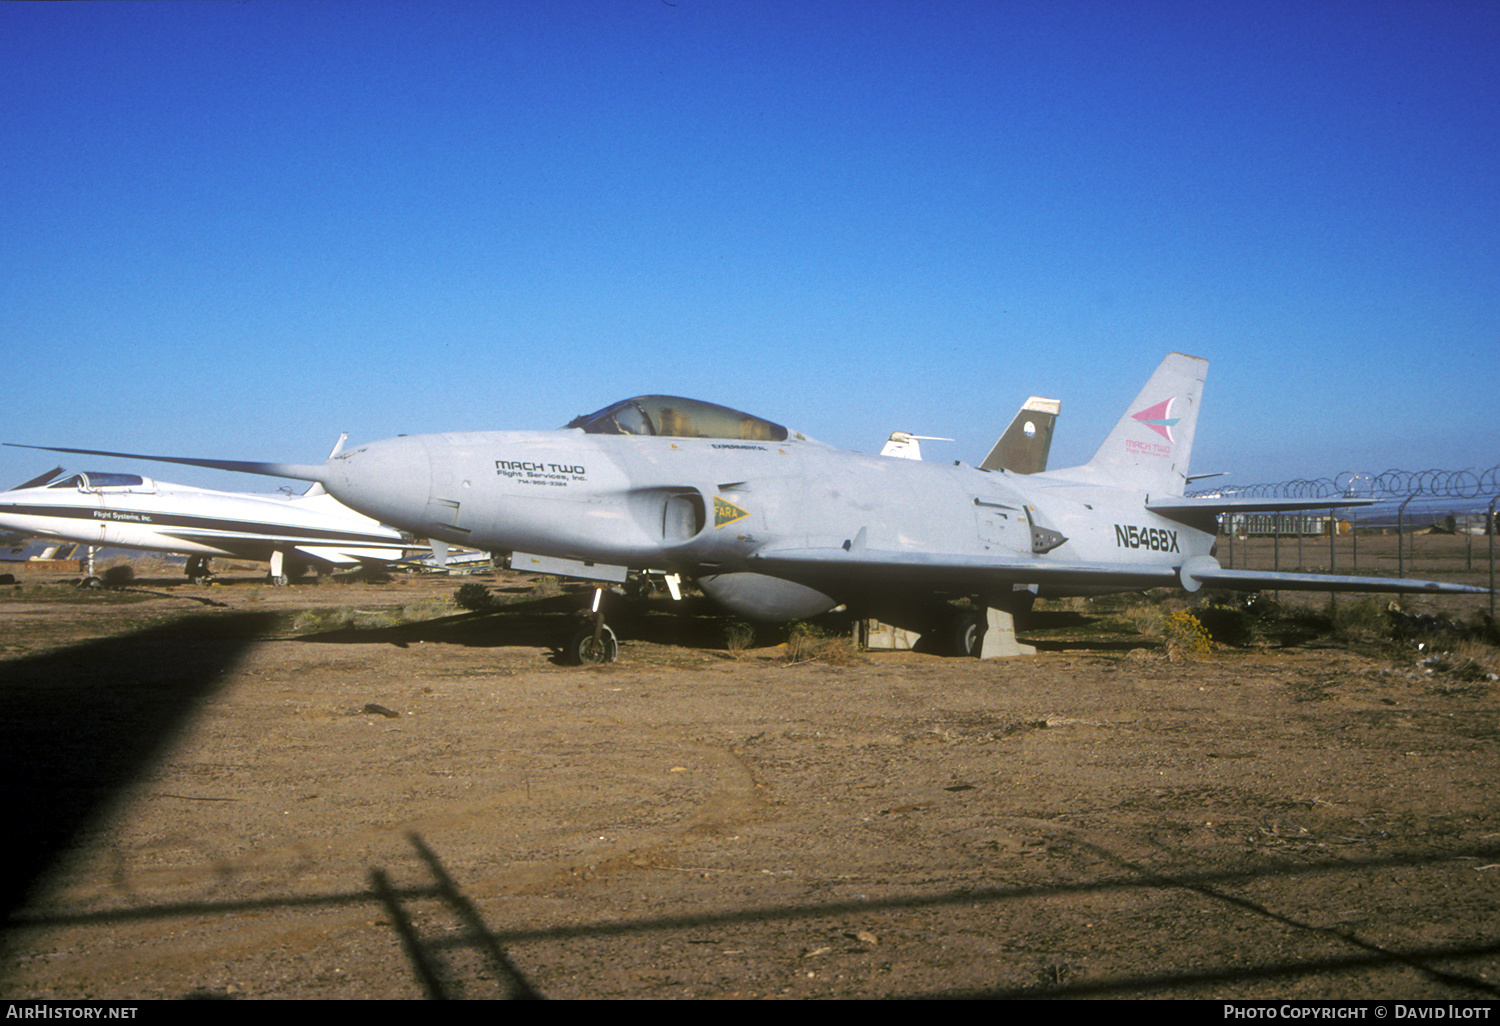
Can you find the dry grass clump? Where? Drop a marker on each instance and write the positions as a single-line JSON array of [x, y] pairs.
[[323, 619], [546, 587], [809, 643], [1466, 660], [427, 609], [153, 565], [1147, 618]]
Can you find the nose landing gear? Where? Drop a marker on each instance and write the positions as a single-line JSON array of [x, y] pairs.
[[595, 643], [198, 570]]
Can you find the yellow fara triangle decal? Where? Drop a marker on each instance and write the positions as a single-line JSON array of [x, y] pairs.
[[726, 512]]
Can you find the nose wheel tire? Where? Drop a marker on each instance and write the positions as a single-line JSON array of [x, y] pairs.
[[584, 649]]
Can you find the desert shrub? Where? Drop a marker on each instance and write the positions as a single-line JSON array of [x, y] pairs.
[[1364, 620], [474, 597], [1227, 625], [120, 575], [1184, 635], [739, 636]]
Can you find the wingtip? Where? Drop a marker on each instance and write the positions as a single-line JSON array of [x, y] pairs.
[[296, 471]]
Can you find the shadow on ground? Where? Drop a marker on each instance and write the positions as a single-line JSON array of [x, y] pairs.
[[548, 622], [692, 623], [80, 725]]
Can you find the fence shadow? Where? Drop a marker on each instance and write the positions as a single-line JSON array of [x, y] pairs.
[[437, 960]]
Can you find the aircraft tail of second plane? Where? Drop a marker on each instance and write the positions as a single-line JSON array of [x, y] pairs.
[[1024, 446]]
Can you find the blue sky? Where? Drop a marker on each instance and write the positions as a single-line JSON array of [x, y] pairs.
[[238, 229]]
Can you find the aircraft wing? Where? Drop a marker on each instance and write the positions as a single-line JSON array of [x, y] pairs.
[[955, 572], [297, 471], [958, 573], [37, 481]]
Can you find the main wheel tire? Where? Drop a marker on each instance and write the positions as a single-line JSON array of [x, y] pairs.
[[968, 635], [583, 650]]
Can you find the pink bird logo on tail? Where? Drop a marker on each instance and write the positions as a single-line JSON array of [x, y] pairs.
[[1159, 418]]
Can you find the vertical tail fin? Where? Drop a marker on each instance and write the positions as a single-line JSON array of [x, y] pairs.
[[1024, 446], [1149, 446]]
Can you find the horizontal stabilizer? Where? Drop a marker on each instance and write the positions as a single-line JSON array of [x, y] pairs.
[[1177, 507], [907, 446], [348, 556]]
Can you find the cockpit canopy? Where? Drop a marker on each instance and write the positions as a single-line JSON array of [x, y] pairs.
[[94, 480], [671, 416]]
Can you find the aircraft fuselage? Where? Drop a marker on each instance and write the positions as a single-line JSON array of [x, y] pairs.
[[158, 516], [708, 506]]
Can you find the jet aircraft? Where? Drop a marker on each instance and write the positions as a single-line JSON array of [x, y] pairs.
[[773, 525], [135, 512]]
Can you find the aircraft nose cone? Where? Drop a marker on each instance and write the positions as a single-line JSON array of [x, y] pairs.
[[389, 480]]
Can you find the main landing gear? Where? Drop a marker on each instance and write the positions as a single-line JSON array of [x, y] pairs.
[[990, 631]]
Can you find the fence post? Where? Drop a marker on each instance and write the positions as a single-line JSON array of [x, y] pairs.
[[1353, 541], [1276, 551], [1400, 537], [1490, 529]]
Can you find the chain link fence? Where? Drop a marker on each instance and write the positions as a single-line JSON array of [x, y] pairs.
[[1433, 523]]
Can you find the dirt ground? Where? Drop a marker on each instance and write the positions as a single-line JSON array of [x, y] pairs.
[[216, 793]]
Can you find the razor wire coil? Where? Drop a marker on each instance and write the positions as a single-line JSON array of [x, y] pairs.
[[1467, 484]]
